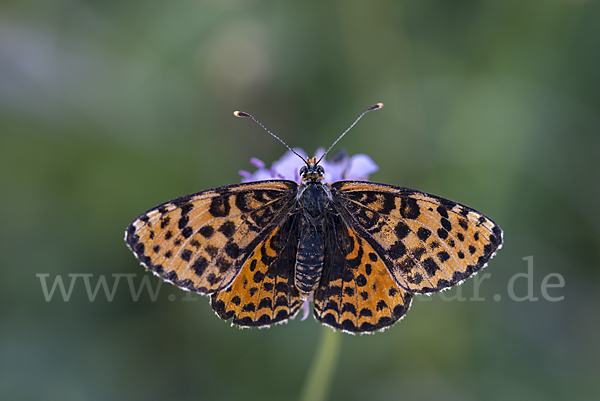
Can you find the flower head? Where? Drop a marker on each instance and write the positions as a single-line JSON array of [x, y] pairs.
[[339, 167]]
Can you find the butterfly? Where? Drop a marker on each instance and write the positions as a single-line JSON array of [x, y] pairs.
[[360, 250]]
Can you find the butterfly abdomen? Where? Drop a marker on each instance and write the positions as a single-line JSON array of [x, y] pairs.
[[309, 260], [311, 248]]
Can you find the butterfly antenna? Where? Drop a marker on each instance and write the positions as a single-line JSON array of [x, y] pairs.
[[244, 114], [374, 107]]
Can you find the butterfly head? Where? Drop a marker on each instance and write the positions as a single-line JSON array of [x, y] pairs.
[[312, 171]]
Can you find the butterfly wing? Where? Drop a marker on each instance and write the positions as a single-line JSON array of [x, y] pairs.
[[200, 242], [264, 292], [357, 293], [428, 243]]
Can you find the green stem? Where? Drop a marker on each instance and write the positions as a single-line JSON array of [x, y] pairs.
[[319, 377]]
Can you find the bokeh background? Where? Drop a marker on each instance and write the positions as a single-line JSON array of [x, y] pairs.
[[108, 108]]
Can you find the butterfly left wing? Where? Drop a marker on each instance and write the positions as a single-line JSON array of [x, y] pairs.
[[428, 243], [199, 242]]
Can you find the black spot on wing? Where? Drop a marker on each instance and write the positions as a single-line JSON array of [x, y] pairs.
[[183, 221], [186, 254], [389, 203], [206, 231], [446, 224], [200, 265], [185, 209], [187, 232], [442, 211], [219, 206], [409, 208], [397, 250], [443, 256], [227, 228], [232, 249], [402, 230], [423, 233], [430, 266]]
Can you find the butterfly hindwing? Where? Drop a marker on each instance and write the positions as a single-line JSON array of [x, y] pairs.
[[428, 243], [199, 242], [357, 293], [264, 293]]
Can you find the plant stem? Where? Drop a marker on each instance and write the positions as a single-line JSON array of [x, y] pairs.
[[320, 374]]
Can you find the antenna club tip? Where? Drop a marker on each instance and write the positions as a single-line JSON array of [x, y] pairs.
[[376, 106], [240, 114]]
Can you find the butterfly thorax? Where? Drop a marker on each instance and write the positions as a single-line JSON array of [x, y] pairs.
[[313, 198]]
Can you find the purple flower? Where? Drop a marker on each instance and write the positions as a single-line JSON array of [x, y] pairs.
[[339, 167]]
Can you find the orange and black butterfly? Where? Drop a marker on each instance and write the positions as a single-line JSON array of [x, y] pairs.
[[360, 249]]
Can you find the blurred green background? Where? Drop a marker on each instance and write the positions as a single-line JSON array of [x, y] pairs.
[[108, 108]]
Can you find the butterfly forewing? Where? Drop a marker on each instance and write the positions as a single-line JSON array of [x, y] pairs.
[[200, 241], [428, 243]]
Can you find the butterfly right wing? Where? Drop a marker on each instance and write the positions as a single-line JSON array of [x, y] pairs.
[[428, 243], [199, 242]]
